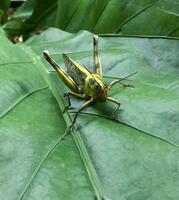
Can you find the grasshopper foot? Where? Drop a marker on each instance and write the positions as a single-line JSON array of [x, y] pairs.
[[65, 94], [67, 108], [128, 85], [70, 128], [114, 117]]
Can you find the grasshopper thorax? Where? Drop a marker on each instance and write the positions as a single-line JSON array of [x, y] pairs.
[[98, 89]]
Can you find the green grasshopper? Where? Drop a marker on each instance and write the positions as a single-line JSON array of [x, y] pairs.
[[83, 83]]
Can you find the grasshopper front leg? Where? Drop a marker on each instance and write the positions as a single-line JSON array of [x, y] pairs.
[[116, 102], [68, 94]]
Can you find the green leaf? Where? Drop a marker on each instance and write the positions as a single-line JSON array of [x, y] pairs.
[[147, 17], [135, 159], [4, 5], [35, 162], [33, 15], [154, 99]]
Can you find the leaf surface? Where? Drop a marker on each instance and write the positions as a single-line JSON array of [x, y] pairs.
[[135, 159], [4, 5], [36, 163], [147, 17]]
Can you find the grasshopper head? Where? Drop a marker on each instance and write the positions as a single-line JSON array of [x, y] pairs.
[[100, 92]]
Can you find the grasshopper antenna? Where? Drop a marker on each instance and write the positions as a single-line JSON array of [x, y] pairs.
[[119, 81]]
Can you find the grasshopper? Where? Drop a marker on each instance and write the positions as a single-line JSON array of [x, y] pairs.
[[83, 83]]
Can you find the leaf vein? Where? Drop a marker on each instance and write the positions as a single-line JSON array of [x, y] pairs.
[[21, 99], [134, 15], [40, 166]]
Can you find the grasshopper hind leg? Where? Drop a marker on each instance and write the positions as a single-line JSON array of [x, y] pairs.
[[96, 58]]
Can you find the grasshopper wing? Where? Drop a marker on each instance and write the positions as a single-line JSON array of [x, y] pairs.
[[77, 72]]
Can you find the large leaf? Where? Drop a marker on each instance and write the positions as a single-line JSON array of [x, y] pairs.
[[136, 159], [33, 15], [156, 83], [4, 5], [146, 17], [35, 162]]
